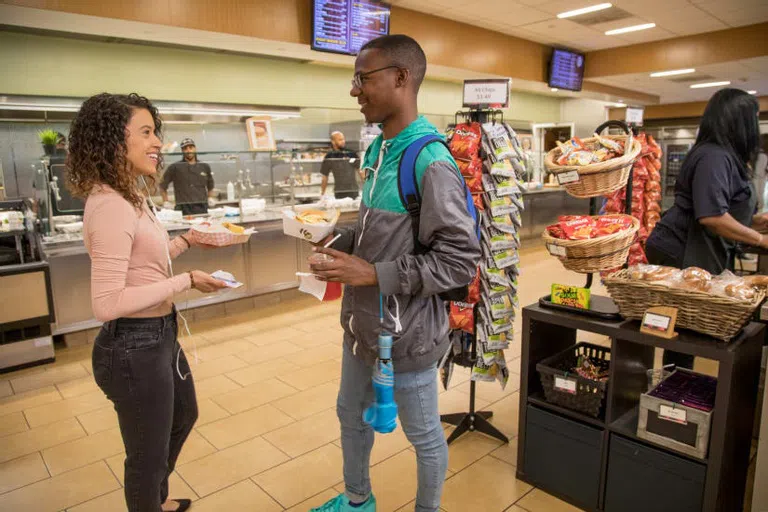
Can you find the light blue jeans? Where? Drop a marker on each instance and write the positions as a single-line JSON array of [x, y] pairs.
[[416, 397]]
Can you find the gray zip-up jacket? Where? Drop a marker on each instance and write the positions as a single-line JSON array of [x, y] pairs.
[[409, 283]]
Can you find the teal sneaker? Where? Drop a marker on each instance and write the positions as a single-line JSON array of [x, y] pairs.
[[341, 504]]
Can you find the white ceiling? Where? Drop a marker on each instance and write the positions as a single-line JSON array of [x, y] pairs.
[[536, 20], [747, 74]]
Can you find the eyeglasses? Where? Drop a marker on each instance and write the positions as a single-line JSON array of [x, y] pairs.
[[357, 80]]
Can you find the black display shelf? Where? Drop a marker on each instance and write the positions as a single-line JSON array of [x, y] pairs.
[[547, 332]]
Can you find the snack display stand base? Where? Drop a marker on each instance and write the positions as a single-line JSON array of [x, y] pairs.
[[600, 464]]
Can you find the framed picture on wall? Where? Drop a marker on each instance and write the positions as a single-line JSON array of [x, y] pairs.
[[260, 134]]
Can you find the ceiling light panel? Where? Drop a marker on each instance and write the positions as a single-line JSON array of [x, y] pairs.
[[634, 28], [584, 10]]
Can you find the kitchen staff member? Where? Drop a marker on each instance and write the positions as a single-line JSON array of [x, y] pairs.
[[344, 165], [192, 182], [715, 200]]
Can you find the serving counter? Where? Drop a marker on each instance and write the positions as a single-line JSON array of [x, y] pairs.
[[267, 263]]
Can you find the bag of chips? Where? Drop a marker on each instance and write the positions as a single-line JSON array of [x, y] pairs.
[[470, 168], [503, 169], [501, 259], [498, 240], [499, 205], [503, 186], [503, 222], [462, 317], [495, 276], [610, 224], [494, 326], [577, 227], [494, 290], [479, 203], [465, 143], [473, 293], [500, 307], [493, 341], [498, 138]]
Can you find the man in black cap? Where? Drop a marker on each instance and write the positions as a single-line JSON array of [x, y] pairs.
[[192, 182]]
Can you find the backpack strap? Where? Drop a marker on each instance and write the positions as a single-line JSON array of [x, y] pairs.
[[408, 185]]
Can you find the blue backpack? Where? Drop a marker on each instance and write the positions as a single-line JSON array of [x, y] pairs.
[[408, 187]]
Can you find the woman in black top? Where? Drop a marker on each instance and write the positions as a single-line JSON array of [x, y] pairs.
[[715, 201]]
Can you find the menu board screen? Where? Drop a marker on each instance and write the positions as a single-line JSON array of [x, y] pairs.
[[344, 26], [566, 70]]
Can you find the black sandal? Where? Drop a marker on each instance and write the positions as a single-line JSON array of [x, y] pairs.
[[183, 505]]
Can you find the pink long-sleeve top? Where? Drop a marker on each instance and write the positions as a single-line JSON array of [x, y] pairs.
[[129, 264]]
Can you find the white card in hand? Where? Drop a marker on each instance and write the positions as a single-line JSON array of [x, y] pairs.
[[228, 278]]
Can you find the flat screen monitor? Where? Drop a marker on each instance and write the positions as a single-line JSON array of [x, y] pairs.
[[566, 70], [344, 26]]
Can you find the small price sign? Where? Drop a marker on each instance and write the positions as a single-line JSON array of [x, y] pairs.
[[564, 178], [672, 414], [556, 250], [478, 93], [566, 385], [572, 296], [660, 321]]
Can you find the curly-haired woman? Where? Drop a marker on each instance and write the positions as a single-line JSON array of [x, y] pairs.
[[137, 361]]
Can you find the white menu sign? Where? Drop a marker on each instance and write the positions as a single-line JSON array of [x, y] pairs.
[[634, 115], [486, 92]]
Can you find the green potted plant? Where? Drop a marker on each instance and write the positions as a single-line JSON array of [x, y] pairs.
[[48, 138]]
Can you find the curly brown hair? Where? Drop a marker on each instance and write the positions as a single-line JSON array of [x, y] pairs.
[[97, 148]]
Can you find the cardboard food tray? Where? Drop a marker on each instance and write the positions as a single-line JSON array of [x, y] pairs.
[[310, 232], [221, 239]]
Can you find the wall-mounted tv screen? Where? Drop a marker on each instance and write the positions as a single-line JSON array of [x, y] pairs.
[[344, 26], [566, 70]]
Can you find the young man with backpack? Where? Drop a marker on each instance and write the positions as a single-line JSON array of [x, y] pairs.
[[415, 239]]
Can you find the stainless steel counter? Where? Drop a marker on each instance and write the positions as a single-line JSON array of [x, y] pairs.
[[267, 263]]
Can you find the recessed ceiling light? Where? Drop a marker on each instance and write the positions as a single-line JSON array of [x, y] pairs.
[[673, 72], [710, 84], [554, 89], [751, 92], [584, 10], [633, 28]]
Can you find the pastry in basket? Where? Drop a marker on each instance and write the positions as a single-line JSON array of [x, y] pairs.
[[740, 291], [696, 279], [653, 273], [757, 281]]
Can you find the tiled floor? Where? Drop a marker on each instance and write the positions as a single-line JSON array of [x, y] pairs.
[[267, 438]]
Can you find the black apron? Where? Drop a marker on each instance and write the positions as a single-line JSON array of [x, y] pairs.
[[714, 253]]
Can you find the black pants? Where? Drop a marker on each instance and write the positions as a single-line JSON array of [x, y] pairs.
[[134, 363], [657, 257], [346, 194]]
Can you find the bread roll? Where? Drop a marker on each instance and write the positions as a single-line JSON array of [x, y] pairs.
[[696, 274], [758, 281], [740, 291]]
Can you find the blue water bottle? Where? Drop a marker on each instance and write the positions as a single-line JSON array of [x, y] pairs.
[[382, 414]]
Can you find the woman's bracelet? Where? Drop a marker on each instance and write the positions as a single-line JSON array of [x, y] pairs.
[[191, 280], [189, 245]]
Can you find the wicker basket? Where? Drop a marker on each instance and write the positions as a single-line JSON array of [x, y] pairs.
[[600, 178], [596, 254], [588, 395], [719, 317]]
